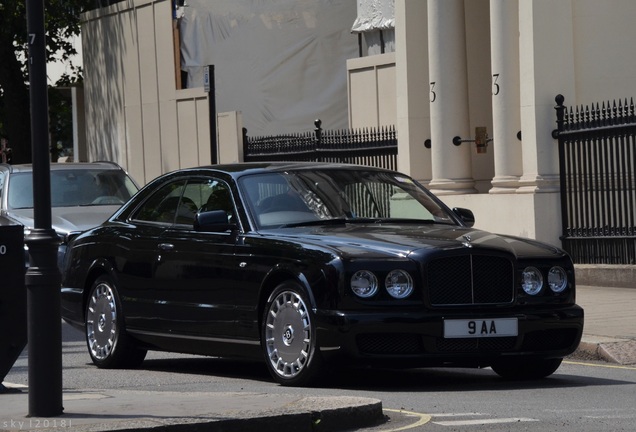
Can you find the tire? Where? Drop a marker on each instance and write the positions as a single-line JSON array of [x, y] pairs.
[[526, 369], [108, 344], [289, 337]]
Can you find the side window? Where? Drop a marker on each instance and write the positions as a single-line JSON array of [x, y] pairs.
[[20, 190], [178, 202], [162, 206], [215, 195]]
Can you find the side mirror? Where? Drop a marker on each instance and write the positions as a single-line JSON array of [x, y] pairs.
[[212, 221], [465, 215]]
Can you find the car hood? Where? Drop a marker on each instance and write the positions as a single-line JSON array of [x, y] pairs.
[[382, 240], [68, 219]]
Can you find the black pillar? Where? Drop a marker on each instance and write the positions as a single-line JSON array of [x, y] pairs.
[[209, 86], [42, 277]]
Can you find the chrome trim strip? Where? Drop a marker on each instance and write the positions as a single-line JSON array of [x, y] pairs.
[[190, 337], [330, 348]]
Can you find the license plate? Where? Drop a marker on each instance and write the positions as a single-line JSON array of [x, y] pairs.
[[479, 328]]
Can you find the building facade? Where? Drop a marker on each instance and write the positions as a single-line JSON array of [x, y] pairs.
[[446, 73], [489, 70]]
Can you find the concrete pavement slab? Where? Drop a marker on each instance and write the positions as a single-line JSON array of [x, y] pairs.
[[128, 410], [610, 323]]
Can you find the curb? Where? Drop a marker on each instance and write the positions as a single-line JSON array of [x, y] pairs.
[[606, 275], [335, 419], [128, 411], [611, 350]]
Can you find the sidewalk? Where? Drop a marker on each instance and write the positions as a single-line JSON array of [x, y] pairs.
[[125, 410], [610, 323], [610, 334]]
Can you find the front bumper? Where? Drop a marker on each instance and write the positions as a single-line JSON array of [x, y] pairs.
[[417, 338]]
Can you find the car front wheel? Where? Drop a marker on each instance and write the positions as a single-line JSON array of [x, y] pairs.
[[526, 369], [108, 344], [289, 337]]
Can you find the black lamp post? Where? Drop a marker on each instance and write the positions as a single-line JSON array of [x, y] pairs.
[[42, 277]]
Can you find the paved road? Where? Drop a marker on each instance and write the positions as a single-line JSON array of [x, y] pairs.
[[175, 389]]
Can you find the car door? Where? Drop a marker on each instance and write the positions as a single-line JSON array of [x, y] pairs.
[[197, 270], [138, 256]]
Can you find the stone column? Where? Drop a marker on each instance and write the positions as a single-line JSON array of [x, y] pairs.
[[504, 47], [546, 59], [411, 70], [448, 96]]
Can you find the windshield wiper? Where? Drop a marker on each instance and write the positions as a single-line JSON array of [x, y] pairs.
[[317, 222], [363, 220], [393, 220]]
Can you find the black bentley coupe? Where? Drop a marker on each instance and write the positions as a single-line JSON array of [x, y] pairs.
[[301, 264]]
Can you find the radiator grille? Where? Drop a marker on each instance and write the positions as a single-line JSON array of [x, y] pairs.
[[470, 279], [546, 340], [390, 343], [476, 344]]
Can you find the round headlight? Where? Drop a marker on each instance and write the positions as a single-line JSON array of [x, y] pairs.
[[364, 283], [399, 284], [531, 280], [557, 279]]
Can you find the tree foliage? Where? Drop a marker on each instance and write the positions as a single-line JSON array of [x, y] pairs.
[[62, 23]]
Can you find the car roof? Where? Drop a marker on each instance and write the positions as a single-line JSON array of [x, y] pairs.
[[239, 169], [106, 165]]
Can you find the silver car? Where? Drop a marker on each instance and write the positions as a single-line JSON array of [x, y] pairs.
[[83, 195]]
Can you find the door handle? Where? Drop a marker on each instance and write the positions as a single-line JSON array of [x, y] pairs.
[[165, 247]]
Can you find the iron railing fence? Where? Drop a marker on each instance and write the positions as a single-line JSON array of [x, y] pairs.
[[368, 146], [597, 164]]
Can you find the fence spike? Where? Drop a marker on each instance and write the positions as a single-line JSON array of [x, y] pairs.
[[604, 115], [343, 145], [595, 115]]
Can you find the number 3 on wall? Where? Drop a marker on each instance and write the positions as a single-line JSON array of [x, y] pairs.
[[495, 85], [433, 94]]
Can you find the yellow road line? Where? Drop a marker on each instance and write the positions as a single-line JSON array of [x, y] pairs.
[[609, 366], [423, 419]]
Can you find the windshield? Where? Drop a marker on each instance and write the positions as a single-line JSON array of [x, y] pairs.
[[306, 197], [83, 187]]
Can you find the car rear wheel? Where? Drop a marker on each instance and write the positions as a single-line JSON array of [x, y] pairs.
[[289, 337], [526, 369], [108, 344]]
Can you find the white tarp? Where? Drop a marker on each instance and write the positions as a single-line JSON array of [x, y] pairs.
[[374, 15], [282, 63]]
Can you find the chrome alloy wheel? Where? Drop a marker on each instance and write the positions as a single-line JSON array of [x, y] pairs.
[[288, 334], [101, 322]]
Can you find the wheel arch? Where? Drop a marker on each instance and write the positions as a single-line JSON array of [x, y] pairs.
[[98, 268], [278, 276]]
